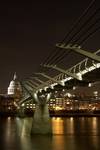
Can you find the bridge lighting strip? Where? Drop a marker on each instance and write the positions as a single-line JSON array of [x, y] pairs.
[[89, 69]]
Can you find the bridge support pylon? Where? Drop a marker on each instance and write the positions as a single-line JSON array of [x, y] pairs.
[[41, 120]]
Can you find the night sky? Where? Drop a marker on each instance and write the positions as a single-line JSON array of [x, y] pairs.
[[29, 32]]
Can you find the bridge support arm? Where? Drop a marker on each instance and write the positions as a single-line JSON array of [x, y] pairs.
[[31, 85], [78, 49], [50, 78], [31, 81], [37, 79], [42, 82], [64, 71]]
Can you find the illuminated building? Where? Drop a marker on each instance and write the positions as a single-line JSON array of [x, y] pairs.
[[14, 88], [8, 102]]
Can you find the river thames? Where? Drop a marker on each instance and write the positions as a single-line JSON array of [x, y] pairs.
[[72, 133]]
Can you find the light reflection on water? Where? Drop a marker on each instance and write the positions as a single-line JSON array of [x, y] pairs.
[[68, 134]]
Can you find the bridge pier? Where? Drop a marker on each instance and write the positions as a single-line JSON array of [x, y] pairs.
[[21, 112], [41, 119]]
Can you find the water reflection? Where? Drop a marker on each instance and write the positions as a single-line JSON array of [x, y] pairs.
[[57, 125], [26, 143], [8, 129], [94, 125], [68, 134], [71, 125], [95, 139]]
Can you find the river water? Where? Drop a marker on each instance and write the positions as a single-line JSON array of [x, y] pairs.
[[72, 133]]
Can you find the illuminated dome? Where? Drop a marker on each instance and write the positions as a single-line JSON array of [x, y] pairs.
[[14, 87]]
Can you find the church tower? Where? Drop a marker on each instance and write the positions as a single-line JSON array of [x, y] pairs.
[[14, 88]]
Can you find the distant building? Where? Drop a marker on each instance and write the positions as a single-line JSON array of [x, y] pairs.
[[8, 102], [14, 88]]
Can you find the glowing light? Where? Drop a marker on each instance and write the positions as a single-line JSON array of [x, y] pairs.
[[74, 87], [23, 105], [68, 94], [58, 108], [89, 85], [93, 108], [79, 76], [51, 86], [67, 79], [15, 104], [62, 82], [9, 118], [40, 90], [71, 118], [68, 103], [95, 93], [42, 96], [45, 88], [63, 90], [9, 108]]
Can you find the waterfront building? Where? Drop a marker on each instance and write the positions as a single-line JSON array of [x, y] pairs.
[[7, 104], [60, 101]]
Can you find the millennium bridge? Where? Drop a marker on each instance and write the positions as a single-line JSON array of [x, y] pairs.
[[40, 92]]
